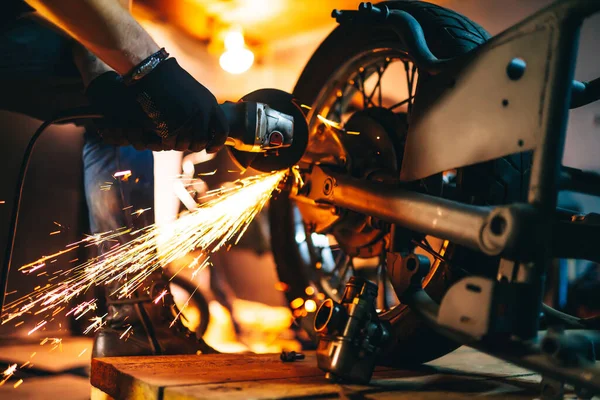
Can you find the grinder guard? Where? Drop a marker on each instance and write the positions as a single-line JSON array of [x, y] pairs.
[[283, 157], [256, 127]]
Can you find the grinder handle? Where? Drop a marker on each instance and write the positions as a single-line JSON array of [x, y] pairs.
[[242, 120]]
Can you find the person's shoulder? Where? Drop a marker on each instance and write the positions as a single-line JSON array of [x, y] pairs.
[[13, 9]]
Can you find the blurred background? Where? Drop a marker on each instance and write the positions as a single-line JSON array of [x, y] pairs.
[[234, 47]]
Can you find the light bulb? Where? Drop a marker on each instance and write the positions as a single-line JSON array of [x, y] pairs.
[[234, 40], [236, 61]]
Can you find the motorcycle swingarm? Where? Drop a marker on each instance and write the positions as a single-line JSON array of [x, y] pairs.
[[515, 232]]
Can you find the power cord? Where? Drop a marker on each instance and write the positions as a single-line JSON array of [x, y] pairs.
[[68, 116]]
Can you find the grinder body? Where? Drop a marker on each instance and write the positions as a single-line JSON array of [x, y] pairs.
[[267, 130], [255, 127]]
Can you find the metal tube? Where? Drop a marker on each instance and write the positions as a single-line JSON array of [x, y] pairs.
[[546, 168], [576, 240], [460, 223], [583, 93], [576, 180]]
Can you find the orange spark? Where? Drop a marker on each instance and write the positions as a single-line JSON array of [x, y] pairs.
[[126, 330], [219, 221], [38, 326], [125, 174], [160, 296]]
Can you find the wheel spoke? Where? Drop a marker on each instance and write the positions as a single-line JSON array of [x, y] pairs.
[[315, 256], [425, 246], [360, 86], [408, 78], [340, 260], [380, 97], [401, 103], [382, 300], [412, 87], [338, 107], [341, 281], [377, 87]]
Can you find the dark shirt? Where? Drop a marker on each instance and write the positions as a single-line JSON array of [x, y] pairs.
[[13, 9]]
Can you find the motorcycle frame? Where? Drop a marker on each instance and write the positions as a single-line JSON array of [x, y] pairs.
[[527, 236]]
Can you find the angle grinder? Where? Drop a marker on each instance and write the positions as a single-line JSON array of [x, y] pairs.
[[267, 130]]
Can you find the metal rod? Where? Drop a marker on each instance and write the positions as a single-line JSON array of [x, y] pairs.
[[460, 223], [546, 169], [583, 93], [580, 181], [576, 240]]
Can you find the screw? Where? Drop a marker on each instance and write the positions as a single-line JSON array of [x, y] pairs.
[[290, 356], [276, 139]]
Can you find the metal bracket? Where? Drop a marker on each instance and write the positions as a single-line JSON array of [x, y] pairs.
[[507, 112]]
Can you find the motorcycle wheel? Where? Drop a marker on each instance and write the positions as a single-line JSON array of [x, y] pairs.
[[302, 255]]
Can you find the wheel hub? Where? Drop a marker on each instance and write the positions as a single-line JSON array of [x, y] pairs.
[[373, 147]]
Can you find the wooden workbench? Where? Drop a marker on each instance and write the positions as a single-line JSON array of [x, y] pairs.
[[459, 375]]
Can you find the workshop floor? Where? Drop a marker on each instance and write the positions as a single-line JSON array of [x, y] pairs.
[[54, 371]]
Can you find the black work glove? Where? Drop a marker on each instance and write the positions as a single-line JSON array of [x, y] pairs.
[[184, 114], [124, 122]]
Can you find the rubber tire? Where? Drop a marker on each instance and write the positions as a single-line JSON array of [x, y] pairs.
[[448, 34]]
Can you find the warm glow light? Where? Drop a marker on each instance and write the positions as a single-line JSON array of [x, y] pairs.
[[310, 306], [297, 303], [234, 40], [236, 61], [237, 58]]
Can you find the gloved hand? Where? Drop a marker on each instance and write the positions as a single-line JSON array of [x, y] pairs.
[[124, 121], [165, 110], [184, 114]]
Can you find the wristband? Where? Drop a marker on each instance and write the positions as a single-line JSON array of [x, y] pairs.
[[145, 67]]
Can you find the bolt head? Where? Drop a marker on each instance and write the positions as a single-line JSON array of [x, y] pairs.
[[516, 68], [328, 186]]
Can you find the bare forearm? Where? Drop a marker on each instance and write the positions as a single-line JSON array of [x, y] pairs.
[[105, 27]]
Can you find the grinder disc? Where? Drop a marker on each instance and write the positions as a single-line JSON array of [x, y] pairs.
[[283, 158]]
